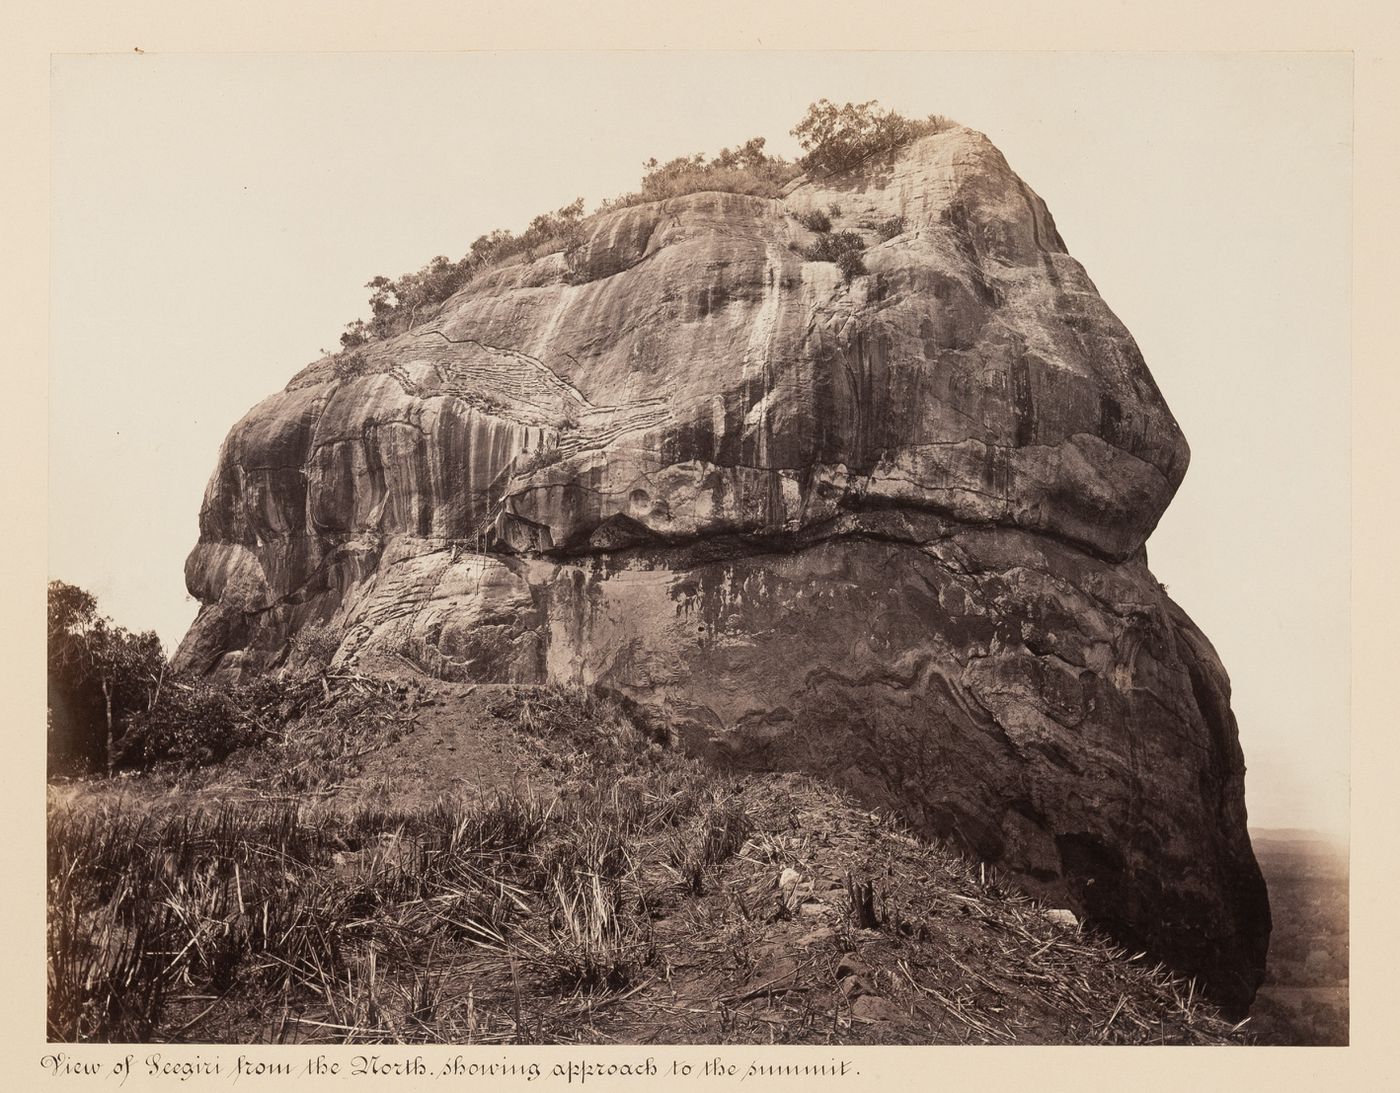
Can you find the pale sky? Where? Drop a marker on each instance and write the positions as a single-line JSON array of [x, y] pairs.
[[215, 219]]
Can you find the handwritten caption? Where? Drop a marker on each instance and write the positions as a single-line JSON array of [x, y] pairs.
[[155, 1065]]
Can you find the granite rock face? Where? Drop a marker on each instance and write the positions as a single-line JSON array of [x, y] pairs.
[[889, 531]]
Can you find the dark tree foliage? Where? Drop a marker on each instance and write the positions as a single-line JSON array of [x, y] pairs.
[[114, 702], [843, 248], [100, 675], [888, 229], [197, 722], [74, 699], [837, 138]]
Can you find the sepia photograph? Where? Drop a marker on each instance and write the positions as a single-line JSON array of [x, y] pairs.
[[698, 548]]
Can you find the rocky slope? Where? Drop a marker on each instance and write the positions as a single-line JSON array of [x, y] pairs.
[[889, 531]]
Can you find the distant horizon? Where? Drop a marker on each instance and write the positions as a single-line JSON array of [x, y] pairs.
[[1338, 837]]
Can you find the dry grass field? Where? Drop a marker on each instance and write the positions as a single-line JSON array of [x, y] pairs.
[[411, 861]]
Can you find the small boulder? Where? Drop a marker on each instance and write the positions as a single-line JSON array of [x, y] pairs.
[[808, 940], [871, 1007]]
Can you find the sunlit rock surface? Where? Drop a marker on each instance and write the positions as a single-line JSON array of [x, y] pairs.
[[890, 531]]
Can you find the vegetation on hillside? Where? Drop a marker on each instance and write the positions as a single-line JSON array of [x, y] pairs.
[[747, 169], [844, 248], [833, 139], [838, 138], [100, 678], [115, 703], [630, 893], [353, 921], [396, 304]]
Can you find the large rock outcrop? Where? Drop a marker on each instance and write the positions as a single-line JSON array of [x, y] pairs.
[[889, 531]]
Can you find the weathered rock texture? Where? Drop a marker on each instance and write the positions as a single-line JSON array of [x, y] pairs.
[[888, 531]]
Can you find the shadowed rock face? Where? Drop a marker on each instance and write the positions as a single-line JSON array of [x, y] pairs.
[[889, 531]]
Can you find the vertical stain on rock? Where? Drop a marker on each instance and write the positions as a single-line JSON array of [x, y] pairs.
[[1022, 405]]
